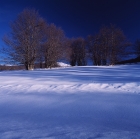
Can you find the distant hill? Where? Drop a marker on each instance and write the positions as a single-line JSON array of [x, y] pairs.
[[129, 61], [11, 67]]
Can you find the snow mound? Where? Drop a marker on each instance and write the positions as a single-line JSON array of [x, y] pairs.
[[61, 64]]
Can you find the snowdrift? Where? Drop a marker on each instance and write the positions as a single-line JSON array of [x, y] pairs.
[[108, 79]]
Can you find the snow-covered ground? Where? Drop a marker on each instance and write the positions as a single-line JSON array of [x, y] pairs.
[[71, 103]]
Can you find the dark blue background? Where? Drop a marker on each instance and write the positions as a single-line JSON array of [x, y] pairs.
[[78, 17]]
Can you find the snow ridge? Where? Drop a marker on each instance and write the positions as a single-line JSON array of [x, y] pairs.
[[73, 79]]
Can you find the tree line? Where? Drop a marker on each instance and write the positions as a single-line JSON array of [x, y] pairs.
[[34, 40]]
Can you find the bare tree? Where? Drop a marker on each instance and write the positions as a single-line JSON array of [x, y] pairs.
[[78, 52], [25, 38], [66, 55], [108, 46], [53, 45], [40, 55], [95, 50], [118, 45], [104, 37]]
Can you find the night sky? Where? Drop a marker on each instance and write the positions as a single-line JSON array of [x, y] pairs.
[[78, 18]]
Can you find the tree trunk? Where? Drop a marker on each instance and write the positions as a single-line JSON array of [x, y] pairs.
[[41, 66]]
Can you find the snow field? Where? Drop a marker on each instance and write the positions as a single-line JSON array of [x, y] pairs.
[[71, 103], [67, 80]]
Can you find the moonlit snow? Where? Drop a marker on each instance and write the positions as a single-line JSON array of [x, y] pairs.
[[91, 102]]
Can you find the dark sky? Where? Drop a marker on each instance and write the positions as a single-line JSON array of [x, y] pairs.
[[78, 17]]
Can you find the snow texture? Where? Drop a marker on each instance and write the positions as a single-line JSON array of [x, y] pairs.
[[71, 103]]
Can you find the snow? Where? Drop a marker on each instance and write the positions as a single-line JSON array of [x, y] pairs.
[[62, 64], [91, 102]]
